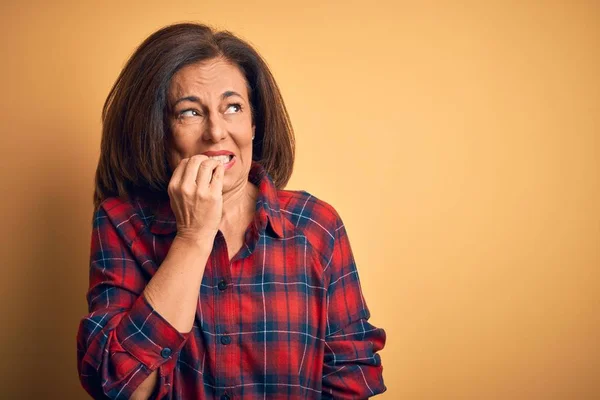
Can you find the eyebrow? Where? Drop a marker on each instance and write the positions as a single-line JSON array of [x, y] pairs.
[[195, 99]]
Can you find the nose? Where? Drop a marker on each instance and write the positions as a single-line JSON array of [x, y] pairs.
[[215, 129]]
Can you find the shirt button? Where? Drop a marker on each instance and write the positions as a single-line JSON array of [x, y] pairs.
[[225, 397], [225, 340], [166, 352], [222, 284]]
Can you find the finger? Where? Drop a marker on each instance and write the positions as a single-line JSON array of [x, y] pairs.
[[205, 173], [191, 170], [216, 184], [178, 173]]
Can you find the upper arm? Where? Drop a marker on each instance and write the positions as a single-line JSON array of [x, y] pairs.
[[352, 367]]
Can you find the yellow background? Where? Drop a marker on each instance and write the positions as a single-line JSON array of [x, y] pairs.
[[460, 142]]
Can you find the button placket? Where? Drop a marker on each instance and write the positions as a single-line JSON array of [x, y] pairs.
[[224, 316], [225, 340]]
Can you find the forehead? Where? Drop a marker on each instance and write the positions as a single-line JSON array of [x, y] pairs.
[[206, 78]]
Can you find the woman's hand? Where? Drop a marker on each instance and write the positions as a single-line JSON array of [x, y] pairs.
[[196, 197]]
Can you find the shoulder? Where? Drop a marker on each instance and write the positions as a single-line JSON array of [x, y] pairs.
[[308, 213], [126, 216]]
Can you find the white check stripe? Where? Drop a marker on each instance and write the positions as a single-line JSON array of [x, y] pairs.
[[257, 384], [127, 383], [342, 277], [267, 283], [332, 352], [283, 239], [201, 313], [103, 293], [154, 246], [127, 220], [302, 216], [350, 334], [327, 317], [141, 210], [329, 262], [140, 330], [301, 211], [102, 252], [365, 379], [333, 252], [188, 365], [262, 331], [116, 259], [360, 359], [98, 325], [362, 324], [261, 203], [306, 340], [264, 312], [334, 372]]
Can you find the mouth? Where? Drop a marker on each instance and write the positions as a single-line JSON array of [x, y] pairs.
[[224, 159]]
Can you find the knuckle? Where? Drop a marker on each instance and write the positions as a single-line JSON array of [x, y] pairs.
[[172, 188], [198, 158], [187, 190]]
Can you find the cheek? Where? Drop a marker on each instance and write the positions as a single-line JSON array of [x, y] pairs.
[[178, 147], [246, 147], [182, 142]]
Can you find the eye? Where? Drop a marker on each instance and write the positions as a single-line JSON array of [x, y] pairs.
[[188, 113], [237, 107]]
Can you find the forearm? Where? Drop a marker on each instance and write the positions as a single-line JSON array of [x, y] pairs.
[[173, 291], [144, 391]]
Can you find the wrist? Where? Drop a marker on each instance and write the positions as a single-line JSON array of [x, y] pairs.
[[200, 240]]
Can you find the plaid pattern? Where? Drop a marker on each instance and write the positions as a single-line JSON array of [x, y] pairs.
[[285, 319]]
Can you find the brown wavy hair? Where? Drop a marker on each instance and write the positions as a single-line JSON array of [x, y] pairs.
[[133, 151]]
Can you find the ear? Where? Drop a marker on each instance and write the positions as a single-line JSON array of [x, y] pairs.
[[253, 131]]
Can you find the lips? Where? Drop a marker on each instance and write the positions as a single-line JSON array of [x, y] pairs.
[[227, 158]]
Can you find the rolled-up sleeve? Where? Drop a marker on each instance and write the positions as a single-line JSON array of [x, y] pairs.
[[122, 339], [352, 368]]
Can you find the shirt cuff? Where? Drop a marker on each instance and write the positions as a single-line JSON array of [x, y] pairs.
[[147, 336]]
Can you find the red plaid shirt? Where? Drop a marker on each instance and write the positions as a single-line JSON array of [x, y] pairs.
[[285, 319]]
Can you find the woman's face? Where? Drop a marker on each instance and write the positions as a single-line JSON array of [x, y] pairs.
[[210, 112]]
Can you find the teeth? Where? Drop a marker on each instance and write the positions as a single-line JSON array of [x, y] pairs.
[[223, 159]]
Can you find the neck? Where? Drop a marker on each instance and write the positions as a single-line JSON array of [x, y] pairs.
[[238, 204]]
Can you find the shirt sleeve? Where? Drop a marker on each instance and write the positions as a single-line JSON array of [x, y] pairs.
[[122, 339], [352, 368]]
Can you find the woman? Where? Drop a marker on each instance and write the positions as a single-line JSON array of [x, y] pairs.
[[207, 280]]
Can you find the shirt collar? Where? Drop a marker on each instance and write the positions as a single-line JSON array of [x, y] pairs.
[[267, 213]]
